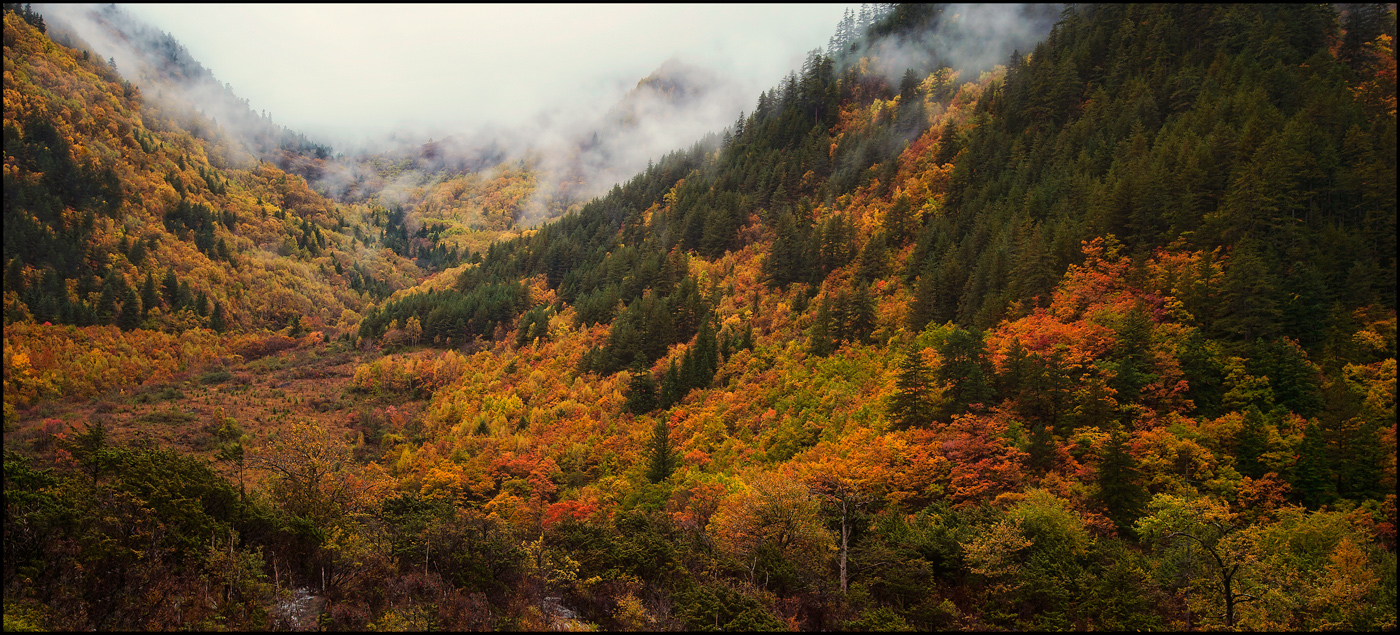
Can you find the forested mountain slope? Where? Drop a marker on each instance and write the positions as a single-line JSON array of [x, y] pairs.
[[1100, 338]]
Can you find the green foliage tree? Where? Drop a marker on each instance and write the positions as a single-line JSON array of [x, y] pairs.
[[965, 370], [130, 316], [1120, 488], [912, 404], [661, 460], [641, 391]]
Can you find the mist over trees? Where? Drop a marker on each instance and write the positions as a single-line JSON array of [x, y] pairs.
[[984, 318]]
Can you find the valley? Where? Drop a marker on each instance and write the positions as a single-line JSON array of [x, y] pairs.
[[1096, 332]]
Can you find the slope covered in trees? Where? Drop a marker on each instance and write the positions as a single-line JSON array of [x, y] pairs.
[[1100, 338]]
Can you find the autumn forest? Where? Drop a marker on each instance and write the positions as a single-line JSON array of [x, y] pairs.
[[1098, 336]]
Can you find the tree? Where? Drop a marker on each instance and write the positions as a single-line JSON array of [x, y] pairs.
[[775, 519], [965, 370], [822, 342], [150, 294], [307, 465], [231, 441], [131, 312], [862, 314], [845, 489], [661, 461], [1313, 477], [912, 405], [107, 305], [171, 289], [218, 320], [1120, 488], [641, 391], [899, 220], [1202, 530]]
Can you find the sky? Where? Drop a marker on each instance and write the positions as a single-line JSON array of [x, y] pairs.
[[347, 71]]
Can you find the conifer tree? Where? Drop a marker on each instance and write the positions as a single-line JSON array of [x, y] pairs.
[[1120, 487], [862, 314], [217, 320], [671, 390], [107, 305], [1251, 442], [965, 370], [641, 391], [707, 353], [912, 403], [1313, 475], [130, 316], [171, 289], [661, 461], [150, 295], [822, 343]]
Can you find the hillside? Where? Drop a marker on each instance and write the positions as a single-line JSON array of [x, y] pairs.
[[1100, 336]]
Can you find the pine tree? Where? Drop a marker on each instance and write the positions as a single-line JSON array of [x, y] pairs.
[[671, 390], [1120, 487], [171, 289], [707, 354], [130, 316], [822, 343], [107, 305], [862, 314], [912, 403], [899, 220], [1313, 477], [150, 295], [184, 298], [965, 370], [1041, 453], [661, 461], [217, 320], [641, 391]]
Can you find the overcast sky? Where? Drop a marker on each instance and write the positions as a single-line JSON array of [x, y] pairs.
[[344, 71]]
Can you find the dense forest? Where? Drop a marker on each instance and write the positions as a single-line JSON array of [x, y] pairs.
[[1099, 336]]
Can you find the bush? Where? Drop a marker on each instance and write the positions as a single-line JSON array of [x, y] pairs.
[[215, 376]]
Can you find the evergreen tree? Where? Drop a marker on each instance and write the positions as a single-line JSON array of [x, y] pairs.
[[1041, 453], [707, 354], [862, 314], [872, 258], [641, 391], [184, 297], [661, 461], [171, 289], [1313, 478], [822, 342], [671, 390], [107, 305], [1120, 488], [130, 316], [150, 295], [1251, 442], [218, 321], [899, 220], [965, 370], [912, 406]]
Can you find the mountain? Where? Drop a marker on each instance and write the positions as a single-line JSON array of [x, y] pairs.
[[967, 324], [110, 196], [157, 63]]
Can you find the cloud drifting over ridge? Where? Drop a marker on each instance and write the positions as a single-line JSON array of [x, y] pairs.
[[356, 72]]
